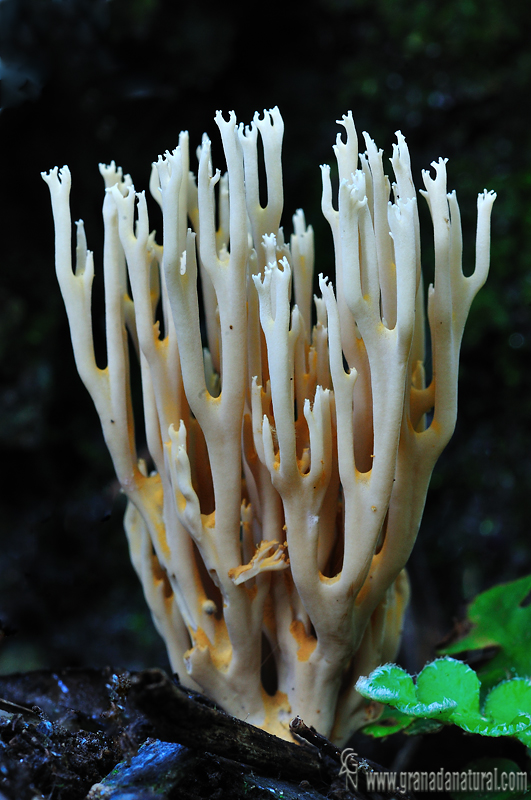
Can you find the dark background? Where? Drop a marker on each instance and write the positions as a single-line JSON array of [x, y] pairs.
[[85, 81]]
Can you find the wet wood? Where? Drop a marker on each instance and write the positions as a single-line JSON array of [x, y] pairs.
[[178, 716]]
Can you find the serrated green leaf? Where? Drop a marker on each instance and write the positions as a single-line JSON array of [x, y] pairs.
[[448, 691], [449, 683], [499, 620], [509, 700], [389, 684]]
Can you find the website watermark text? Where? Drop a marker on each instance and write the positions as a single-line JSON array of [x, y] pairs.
[[441, 780]]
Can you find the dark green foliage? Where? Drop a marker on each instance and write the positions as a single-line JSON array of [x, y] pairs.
[[499, 619]]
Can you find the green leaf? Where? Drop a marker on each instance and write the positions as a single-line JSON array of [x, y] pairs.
[[448, 691], [451, 684], [390, 721], [500, 620], [444, 688], [509, 706], [389, 684], [508, 700]]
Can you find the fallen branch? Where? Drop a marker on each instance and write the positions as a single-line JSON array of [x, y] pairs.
[[177, 716]]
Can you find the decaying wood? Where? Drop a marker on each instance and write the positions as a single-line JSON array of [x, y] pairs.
[[178, 715]]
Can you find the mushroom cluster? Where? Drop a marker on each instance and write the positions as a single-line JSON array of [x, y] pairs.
[[291, 441]]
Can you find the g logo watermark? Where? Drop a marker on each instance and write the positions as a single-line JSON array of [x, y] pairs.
[[349, 768]]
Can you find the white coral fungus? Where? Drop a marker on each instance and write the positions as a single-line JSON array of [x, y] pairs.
[[290, 460]]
